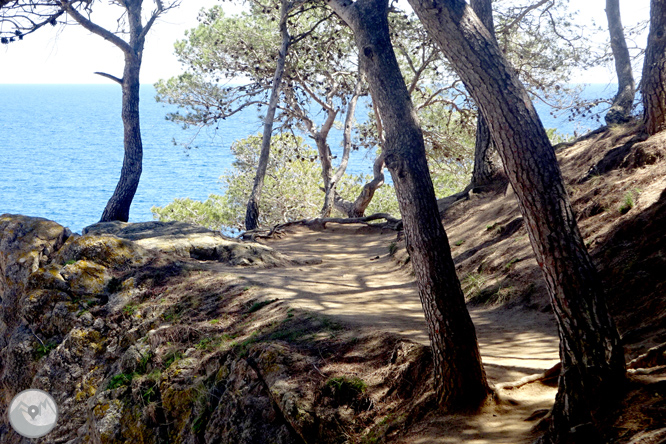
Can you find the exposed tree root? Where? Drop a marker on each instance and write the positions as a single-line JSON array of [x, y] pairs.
[[654, 357], [547, 376], [391, 223]]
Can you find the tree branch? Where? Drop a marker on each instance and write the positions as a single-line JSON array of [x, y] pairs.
[[96, 29], [156, 13], [109, 76], [522, 15]]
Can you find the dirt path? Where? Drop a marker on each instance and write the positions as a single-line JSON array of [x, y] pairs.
[[359, 284]]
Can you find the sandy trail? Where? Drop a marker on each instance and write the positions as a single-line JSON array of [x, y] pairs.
[[359, 284]]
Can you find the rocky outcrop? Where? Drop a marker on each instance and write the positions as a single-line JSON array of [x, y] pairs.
[[136, 345], [187, 240]]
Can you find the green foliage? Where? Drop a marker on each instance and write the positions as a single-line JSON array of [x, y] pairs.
[[43, 349], [510, 263], [628, 203], [213, 213], [142, 368], [243, 347], [170, 357], [204, 344], [546, 53], [119, 380], [259, 305], [130, 309], [292, 188], [557, 137], [353, 384]]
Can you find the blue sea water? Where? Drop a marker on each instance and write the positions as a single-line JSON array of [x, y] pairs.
[[61, 151]]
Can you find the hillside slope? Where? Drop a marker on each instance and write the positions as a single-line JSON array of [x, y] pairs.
[[160, 333]]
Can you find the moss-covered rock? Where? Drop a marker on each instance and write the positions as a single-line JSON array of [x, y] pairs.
[[106, 250], [86, 278], [188, 240]]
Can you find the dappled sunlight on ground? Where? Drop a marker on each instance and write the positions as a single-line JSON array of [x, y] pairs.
[[359, 284]]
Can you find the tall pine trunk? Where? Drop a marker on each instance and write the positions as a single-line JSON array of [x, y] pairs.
[[592, 358], [654, 70], [252, 210], [485, 170], [460, 379], [623, 102], [118, 206]]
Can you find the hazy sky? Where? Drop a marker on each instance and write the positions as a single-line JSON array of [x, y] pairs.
[[72, 54]]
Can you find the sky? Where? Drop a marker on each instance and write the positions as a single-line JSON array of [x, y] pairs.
[[70, 54]]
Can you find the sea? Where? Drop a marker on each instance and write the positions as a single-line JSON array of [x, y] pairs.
[[61, 151]]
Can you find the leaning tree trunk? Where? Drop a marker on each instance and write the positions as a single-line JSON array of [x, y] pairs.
[[623, 102], [252, 211], [485, 170], [460, 379], [118, 207], [592, 358], [360, 204], [654, 70]]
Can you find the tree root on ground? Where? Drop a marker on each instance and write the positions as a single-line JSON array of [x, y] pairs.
[[391, 223]]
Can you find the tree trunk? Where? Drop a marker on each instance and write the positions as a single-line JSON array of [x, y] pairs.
[[331, 194], [592, 358], [623, 102], [485, 169], [325, 158], [118, 206], [460, 379], [654, 70], [360, 204], [252, 211]]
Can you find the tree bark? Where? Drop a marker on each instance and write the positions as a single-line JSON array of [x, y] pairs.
[[485, 170], [118, 206], [252, 211], [623, 102], [326, 160], [654, 70], [460, 379], [593, 368]]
